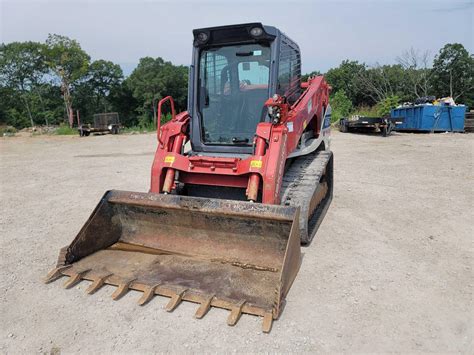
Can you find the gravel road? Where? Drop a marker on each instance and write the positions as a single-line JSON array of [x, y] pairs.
[[390, 269]]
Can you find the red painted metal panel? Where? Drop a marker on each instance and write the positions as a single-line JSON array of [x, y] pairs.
[[260, 172], [214, 180]]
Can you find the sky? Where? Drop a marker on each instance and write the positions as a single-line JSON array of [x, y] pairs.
[[327, 31]]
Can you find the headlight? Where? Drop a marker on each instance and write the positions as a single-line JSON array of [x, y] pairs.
[[110, 127], [202, 37], [256, 31]]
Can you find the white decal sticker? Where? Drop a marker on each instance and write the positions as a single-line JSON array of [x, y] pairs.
[[290, 126], [310, 105]]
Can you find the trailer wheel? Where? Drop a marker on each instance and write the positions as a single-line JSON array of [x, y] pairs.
[[343, 126], [387, 129], [390, 128]]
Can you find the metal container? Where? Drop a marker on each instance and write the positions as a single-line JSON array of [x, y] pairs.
[[431, 118]]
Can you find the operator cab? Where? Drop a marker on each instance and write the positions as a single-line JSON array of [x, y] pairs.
[[235, 70]]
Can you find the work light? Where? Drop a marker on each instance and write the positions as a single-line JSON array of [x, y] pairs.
[[256, 32], [202, 37]]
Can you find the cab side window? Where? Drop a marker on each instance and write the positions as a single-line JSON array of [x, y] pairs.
[[289, 72]]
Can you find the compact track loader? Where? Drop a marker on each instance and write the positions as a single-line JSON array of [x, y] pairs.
[[239, 181]]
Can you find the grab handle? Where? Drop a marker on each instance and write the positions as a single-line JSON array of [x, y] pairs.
[[158, 121]]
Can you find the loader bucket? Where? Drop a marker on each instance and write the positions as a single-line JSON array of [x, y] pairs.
[[229, 254]]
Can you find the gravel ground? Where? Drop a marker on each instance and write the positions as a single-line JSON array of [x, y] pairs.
[[389, 271]]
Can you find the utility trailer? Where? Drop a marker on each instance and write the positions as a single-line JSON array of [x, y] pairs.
[[103, 123], [364, 124]]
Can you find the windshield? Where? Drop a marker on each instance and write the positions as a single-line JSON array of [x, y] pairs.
[[233, 89]]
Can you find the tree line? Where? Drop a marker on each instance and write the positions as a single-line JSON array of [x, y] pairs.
[[357, 87], [48, 83]]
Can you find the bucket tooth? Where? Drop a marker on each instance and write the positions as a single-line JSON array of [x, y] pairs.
[[147, 295], [235, 314], [121, 290], [74, 278], [96, 284], [55, 273], [203, 308], [267, 322], [175, 301]]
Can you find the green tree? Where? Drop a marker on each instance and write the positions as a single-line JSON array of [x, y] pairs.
[[416, 66], [4, 105], [69, 62], [341, 105], [346, 77], [92, 93], [382, 81], [453, 73], [103, 77], [21, 69], [12, 110], [154, 79], [85, 101], [305, 77], [47, 103], [384, 106], [122, 100]]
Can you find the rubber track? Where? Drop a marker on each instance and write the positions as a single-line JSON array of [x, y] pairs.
[[298, 186]]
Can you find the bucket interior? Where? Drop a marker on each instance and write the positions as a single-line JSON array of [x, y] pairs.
[[232, 251]]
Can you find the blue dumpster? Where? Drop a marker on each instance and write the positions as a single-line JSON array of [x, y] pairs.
[[437, 118]]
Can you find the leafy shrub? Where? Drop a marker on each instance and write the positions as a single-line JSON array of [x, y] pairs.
[[366, 111], [146, 124], [341, 105], [384, 106], [65, 130]]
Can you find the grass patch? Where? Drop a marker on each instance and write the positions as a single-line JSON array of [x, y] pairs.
[[366, 111], [136, 129], [64, 130], [381, 109], [141, 128]]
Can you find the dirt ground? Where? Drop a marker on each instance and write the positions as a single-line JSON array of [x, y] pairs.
[[390, 269]]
